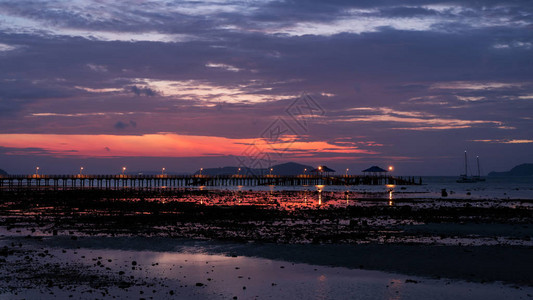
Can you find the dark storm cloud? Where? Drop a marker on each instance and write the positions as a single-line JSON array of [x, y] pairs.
[[123, 125], [143, 91], [109, 17], [23, 89], [30, 151], [120, 125], [24, 151], [205, 17]]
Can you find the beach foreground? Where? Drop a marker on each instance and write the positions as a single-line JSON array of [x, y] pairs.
[[127, 246], [93, 267]]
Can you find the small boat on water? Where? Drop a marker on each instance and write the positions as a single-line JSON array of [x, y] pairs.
[[464, 178]]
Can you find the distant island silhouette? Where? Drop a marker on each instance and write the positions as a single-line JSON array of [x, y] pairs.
[[287, 169], [2, 172], [520, 170]]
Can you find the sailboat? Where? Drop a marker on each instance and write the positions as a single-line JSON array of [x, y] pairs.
[[478, 177], [463, 178]]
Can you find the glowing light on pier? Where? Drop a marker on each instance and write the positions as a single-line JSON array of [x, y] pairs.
[[391, 168]]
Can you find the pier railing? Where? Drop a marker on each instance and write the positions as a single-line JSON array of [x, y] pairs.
[[175, 181]]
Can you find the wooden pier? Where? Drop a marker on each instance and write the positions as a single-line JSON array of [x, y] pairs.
[[178, 181]]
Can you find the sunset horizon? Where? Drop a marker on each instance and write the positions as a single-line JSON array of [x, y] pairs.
[[411, 85], [252, 149]]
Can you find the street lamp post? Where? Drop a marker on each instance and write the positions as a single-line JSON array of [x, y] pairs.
[[347, 171], [305, 170], [81, 170], [271, 171], [36, 171], [123, 169], [239, 171], [163, 171], [201, 169]]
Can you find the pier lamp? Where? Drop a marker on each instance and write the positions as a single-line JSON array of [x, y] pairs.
[[81, 170], [123, 169], [391, 168], [201, 169], [163, 171], [36, 171], [238, 171], [305, 170], [347, 171], [271, 171], [320, 168]]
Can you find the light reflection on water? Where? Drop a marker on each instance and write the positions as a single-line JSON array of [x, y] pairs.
[[324, 197], [492, 188], [225, 277], [395, 289], [245, 277], [319, 189], [181, 268], [318, 197], [322, 287]]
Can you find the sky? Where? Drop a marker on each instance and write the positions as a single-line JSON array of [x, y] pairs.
[[190, 84]]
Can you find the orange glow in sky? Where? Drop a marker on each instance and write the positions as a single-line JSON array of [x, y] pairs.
[[159, 145]]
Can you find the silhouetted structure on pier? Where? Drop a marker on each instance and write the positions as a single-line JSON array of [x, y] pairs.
[[174, 181], [322, 171], [375, 171]]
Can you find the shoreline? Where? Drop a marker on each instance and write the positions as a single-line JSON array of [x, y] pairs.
[[195, 270], [509, 265], [484, 242]]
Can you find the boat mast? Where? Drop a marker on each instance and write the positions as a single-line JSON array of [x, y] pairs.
[[478, 171], [466, 166]]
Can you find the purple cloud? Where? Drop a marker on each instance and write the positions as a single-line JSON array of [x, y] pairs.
[[421, 79]]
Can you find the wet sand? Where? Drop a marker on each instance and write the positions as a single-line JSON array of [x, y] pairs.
[[485, 242], [129, 267]]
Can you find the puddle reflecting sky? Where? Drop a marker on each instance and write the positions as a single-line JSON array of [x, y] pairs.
[[195, 275]]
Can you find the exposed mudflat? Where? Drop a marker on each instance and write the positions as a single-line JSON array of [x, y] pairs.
[[85, 242]]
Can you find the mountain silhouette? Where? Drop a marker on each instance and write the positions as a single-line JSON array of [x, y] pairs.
[[520, 170], [290, 168]]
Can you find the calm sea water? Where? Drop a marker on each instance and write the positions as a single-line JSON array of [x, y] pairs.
[[492, 188]]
